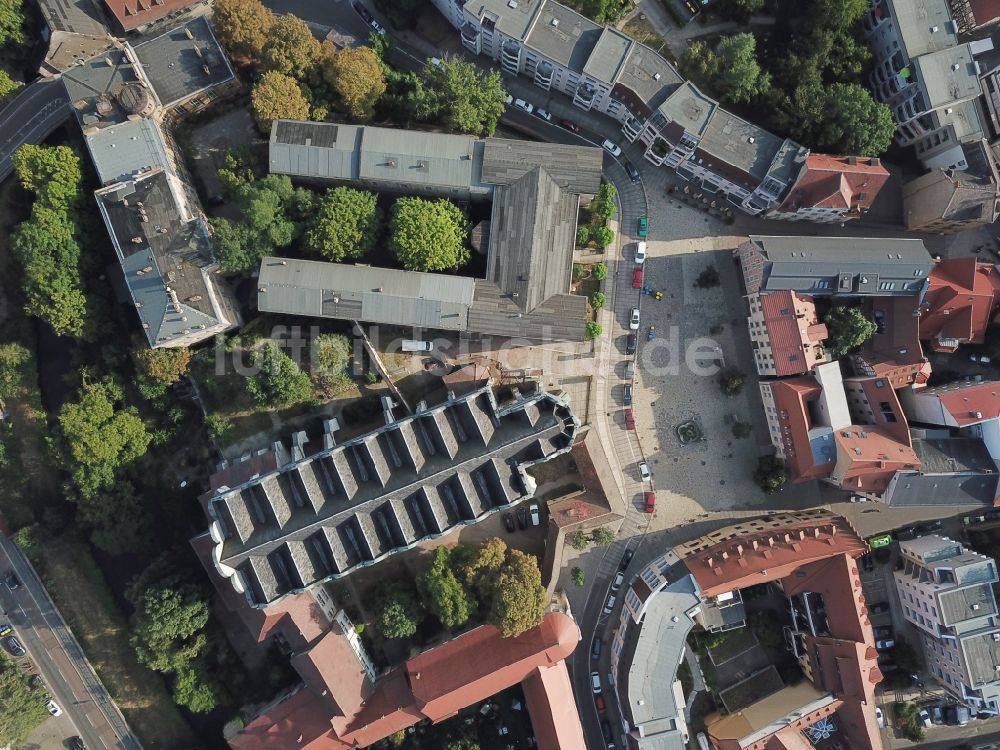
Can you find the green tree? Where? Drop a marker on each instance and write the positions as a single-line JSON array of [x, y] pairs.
[[848, 328], [578, 576], [838, 14], [428, 235], [357, 77], [271, 211], [699, 62], [603, 206], [740, 77], [479, 568], [771, 474], [461, 96], [7, 84], [194, 691], [235, 246], [345, 224], [13, 22], [731, 381], [13, 359], [739, 10], [399, 612], [290, 48], [603, 236], [279, 381], [168, 627], [442, 593], [598, 300], [578, 540], [332, 354], [101, 435], [854, 123], [519, 597], [119, 521], [158, 369], [602, 537], [22, 708], [242, 26], [592, 330], [582, 236], [52, 173], [599, 271], [277, 96], [462, 743]]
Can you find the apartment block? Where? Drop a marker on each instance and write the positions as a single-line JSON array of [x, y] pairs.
[[960, 304], [946, 201], [832, 189], [786, 336], [946, 593], [967, 409]]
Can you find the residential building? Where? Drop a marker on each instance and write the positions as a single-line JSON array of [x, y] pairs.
[[834, 266], [319, 511], [954, 470], [147, 200], [535, 191], [971, 15], [73, 32], [832, 189], [961, 300], [970, 409], [786, 336], [138, 15], [893, 353], [601, 69], [929, 80], [946, 592], [946, 201]]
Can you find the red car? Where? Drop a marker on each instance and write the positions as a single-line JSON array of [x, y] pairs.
[[650, 502], [570, 125], [637, 278], [599, 702], [629, 420]]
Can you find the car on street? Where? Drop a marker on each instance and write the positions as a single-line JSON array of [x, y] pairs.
[[650, 501], [637, 278], [523, 105], [617, 582], [595, 682], [630, 342], [640, 253], [53, 708], [632, 171], [533, 510], [867, 563], [509, 100], [379, 29], [547, 116], [522, 517], [13, 646], [627, 394], [12, 581], [508, 522], [633, 319], [643, 226], [878, 608], [570, 126], [937, 715], [609, 604], [981, 360], [644, 474], [599, 704], [626, 559], [362, 11], [595, 650], [76, 743], [924, 717], [629, 420], [611, 147], [885, 644], [606, 730], [879, 718]]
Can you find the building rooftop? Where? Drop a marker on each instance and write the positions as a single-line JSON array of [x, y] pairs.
[[924, 26], [962, 296], [967, 603], [608, 56], [948, 76], [513, 19], [951, 455], [107, 89], [74, 16], [965, 119], [119, 150], [576, 169], [966, 403], [836, 182], [184, 61], [322, 515], [132, 14], [795, 333], [562, 35], [982, 656], [690, 108], [912, 488]]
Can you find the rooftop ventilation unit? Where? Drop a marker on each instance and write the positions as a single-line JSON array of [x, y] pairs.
[[554, 21]]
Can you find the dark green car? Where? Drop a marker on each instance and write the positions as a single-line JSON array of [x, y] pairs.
[[643, 226]]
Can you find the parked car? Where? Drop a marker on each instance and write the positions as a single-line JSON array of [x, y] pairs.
[[595, 681], [53, 708], [618, 580], [630, 342], [629, 420], [633, 319], [595, 649], [609, 604], [626, 559], [12, 581], [981, 360], [13, 646], [643, 226], [925, 718], [606, 730], [599, 704], [885, 644], [937, 715], [76, 743], [509, 100], [508, 522], [611, 147], [627, 394], [533, 510], [879, 718], [644, 474], [362, 11], [632, 171], [522, 517], [637, 278], [962, 715], [650, 501], [570, 125], [867, 563], [523, 105], [878, 608], [640, 252], [547, 116]]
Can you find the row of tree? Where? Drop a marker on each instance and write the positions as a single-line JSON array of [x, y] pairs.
[[501, 585]]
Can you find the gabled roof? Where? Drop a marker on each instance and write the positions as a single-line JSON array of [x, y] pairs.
[[548, 694], [838, 182], [961, 298], [967, 403], [331, 668], [132, 14], [794, 331]]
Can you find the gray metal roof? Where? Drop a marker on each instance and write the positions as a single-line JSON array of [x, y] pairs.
[[968, 603], [118, 151], [175, 64], [948, 455], [74, 16], [564, 36], [941, 489], [95, 80], [347, 506], [608, 56], [923, 25], [576, 169], [374, 295]]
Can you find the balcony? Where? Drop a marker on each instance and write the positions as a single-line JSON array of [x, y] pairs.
[[470, 35], [631, 128], [543, 74], [585, 94], [510, 57]]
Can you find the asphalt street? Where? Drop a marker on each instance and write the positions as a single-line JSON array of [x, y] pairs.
[[88, 710], [30, 117]]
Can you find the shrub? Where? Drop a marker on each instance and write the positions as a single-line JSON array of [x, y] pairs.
[[593, 330], [708, 278]]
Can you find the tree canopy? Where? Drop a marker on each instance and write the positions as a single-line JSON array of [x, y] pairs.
[[12, 23], [158, 369], [428, 235], [290, 48], [168, 627], [456, 94], [356, 76], [13, 358], [345, 224], [277, 96], [771, 474], [242, 26], [399, 612], [519, 597], [442, 593], [118, 520], [7, 84], [22, 708], [739, 77], [854, 122], [479, 567], [279, 381], [101, 435], [848, 329]]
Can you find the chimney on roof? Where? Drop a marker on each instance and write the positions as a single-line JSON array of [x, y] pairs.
[[875, 161], [852, 160], [187, 33], [739, 550], [710, 562]]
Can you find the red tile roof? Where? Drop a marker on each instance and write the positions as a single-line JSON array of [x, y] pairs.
[[134, 13], [331, 668], [961, 299], [795, 333], [299, 721], [833, 182], [985, 11], [867, 458], [390, 709], [894, 354], [964, 403], [554, 717], [791, 402]]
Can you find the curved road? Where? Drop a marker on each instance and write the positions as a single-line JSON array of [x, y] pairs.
[[31, 117]]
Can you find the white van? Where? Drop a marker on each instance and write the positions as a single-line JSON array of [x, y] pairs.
[[413, 345]]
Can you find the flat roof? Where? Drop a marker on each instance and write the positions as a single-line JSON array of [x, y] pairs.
[[96, 82], [924, 26], [689, 107], [512, 18], [948, 75], [982, 656], [741, 144], [176, 63], [646, 81], [120, 150], [608, 56], [564, 36]]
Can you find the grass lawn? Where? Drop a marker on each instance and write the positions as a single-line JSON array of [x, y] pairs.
[[642, 31], [736, 642], [82, 596]]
